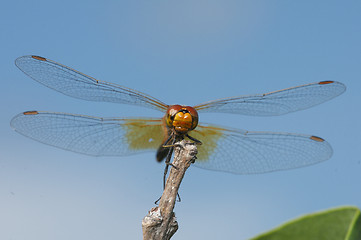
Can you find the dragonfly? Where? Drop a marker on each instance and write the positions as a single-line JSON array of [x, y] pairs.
[[222, 149]]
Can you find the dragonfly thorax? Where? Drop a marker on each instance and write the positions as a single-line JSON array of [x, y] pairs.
[[181, 118]]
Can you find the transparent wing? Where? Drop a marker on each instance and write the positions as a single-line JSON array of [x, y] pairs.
[[244, 152], [75, 84], [90, 135], [278, 102]]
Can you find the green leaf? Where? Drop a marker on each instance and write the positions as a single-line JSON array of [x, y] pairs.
[[343, 223]]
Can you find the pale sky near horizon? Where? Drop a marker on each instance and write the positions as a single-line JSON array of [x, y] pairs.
[[184, 52]]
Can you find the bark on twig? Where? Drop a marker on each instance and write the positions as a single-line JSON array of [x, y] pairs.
[[160, 223]]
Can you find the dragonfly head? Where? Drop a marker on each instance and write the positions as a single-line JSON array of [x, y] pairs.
[[181, 118]]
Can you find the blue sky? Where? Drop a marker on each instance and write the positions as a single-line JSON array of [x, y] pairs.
[[183, 52]]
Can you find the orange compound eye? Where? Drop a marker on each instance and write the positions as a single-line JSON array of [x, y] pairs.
[[181, 118], [194, 115], [171, 112]]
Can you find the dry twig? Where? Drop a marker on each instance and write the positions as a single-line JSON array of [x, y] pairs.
[[160, 223]]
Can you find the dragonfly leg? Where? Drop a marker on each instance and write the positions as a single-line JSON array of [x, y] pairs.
[[156, 202], [167, 162], [171, 146], [171, 164], [194, 140], [178, 199], [168, 139], [193, 160]]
